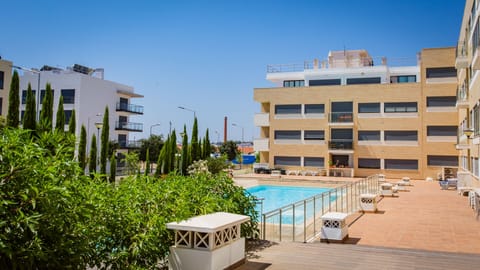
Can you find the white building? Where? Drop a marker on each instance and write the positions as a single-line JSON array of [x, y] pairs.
[[87, 92]]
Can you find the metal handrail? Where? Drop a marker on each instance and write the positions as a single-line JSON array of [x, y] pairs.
[[344, 198]]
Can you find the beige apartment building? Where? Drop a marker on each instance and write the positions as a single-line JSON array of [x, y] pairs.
[[355, 115], [5, 79], [468, 94]]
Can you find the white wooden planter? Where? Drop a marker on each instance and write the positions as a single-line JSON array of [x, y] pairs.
[[207, 242], [368, 202], [334, 226], [386, 189]]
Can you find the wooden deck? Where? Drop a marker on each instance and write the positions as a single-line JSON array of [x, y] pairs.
[[288, 255]]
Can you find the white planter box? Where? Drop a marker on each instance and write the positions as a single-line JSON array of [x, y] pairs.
[[386, 189], [368, 202], [334, 226]]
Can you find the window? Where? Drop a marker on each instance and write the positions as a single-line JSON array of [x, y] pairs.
[[122, 140], [68, 96], [396, 107], [314, 108], [24, 96], [448, 101], [324, 82], [22, 114], [403, 79], [369, 135], [42, 95], [344, 106], [313, 162], [401, 135], [68, 115], [288, 135], [368, 107], [342, 134], [122, 119], [294, 83], [401, 164], [2, 75], [442, 130], [369, 163], [288, 109], [1, 104], [441, 72], [286, 161], [314, 135], [370, 80], [451, 161]]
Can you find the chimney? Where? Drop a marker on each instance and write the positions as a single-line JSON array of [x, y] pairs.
[[225, 125]]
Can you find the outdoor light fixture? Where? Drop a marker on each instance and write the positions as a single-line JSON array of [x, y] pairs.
[[468, 132]]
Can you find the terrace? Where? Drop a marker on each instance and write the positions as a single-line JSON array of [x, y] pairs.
[[425, 227]]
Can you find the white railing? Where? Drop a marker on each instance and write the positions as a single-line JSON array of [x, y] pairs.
[[301, 221]]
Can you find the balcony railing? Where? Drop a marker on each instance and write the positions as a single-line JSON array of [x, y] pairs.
[[129, 144], [461, 60], [340, 145], [125, 107], [340, 117], [129, 126], [261, 145], [262, 119], [462, 97]]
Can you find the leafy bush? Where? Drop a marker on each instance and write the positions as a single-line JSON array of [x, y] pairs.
[[52, 216]]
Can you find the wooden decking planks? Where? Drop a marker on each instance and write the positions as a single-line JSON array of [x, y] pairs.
[[344, 256]]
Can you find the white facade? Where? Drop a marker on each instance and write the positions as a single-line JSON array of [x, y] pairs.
[[91, 95]]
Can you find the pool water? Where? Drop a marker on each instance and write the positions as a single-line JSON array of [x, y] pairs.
[[279, 196]]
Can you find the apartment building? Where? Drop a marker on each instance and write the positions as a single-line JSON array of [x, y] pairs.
[[467, 63], [87, 92], [356, 115], [5, 79]]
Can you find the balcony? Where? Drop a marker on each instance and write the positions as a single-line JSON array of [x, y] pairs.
[[125, 107], [476, 59], [461, 60], [341, 118], [340, 145], [129, 126], [261, 119], [462, 97], [261, 145], [129, 144]]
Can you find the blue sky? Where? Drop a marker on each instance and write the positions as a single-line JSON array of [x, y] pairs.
[[209, 55]]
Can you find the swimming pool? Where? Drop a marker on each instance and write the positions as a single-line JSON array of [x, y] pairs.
[[279, 196]]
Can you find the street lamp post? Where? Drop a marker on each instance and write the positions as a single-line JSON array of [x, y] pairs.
[[187, 109], [155, 125], [468, 132], [38, 88], [241, 144]]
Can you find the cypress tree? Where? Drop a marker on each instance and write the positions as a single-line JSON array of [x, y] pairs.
[[173, 150], [158, 170], [207, 147], [104, 142], [60, 121], [29, 116], [113, 168], [72, 123], [13, 118], [92, 165], [147, 162], [184, 159], [82, 148], [46, 116], [195, 153]]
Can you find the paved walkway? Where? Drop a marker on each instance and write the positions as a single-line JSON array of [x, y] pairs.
[[424, 228]]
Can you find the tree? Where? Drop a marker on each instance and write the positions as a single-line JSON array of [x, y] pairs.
[[207, 147], [184, 158], [113, 168], [173, 151], [60, 121], [46, 116], [154, 144], [72, 123], [92, 165], [230, 149], [104, 142], [13, 118], [147, 163], [195, 151], [131, 161], [29, 121], [82, 149]]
